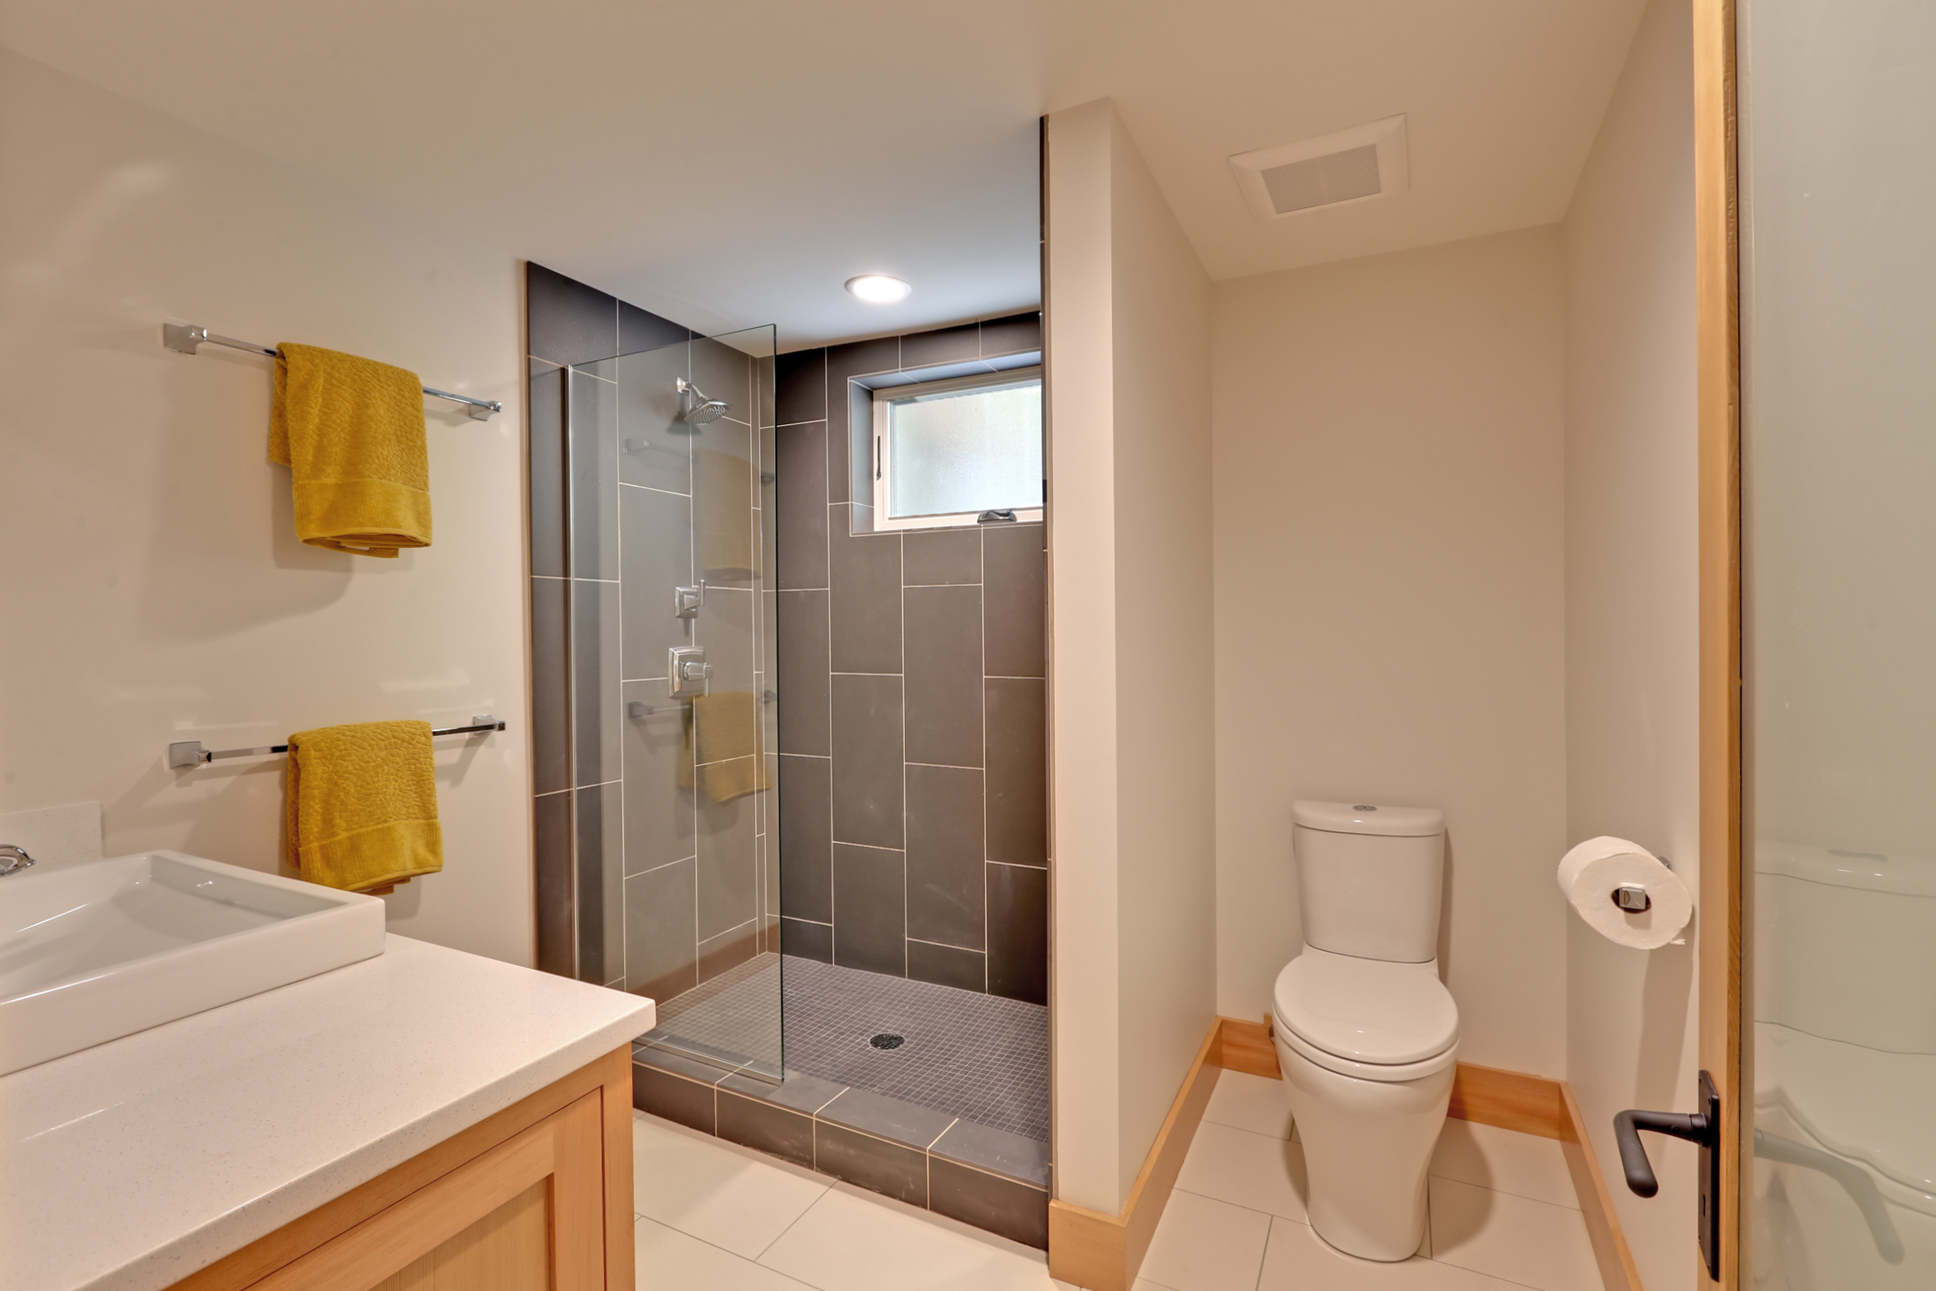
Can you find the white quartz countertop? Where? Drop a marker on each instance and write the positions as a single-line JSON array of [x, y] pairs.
[[130, 1165]]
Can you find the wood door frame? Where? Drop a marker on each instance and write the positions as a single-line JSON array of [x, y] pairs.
[[1718, 298]]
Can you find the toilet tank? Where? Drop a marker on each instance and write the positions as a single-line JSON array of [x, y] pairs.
[[1369, 877]]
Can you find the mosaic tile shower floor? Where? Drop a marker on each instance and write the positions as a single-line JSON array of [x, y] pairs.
[[980, 1057]]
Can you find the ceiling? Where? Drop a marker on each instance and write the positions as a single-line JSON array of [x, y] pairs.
[[733, 162]]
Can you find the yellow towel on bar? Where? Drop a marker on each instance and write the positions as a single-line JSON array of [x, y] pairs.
[[351, 432], [726, 729], [362, 804], [722, 516]]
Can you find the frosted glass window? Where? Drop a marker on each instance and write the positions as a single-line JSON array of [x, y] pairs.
[[959, 452]]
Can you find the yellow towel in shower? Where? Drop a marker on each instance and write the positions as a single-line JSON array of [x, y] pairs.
[[722, 516], [362, 805], [726, 729], [351, 432]]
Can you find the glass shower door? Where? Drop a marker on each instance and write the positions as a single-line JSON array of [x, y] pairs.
[[1838, 111], [672, 483]]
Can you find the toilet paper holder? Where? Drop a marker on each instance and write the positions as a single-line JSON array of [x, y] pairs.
[[1632, 898]]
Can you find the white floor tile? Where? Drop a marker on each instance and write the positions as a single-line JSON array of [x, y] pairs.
[[1525, 1165], [1251, 1103], [714, 1190], [1259, 1171], [1515, 1238], [1203, 1244], [848, 1241], [1298, 1260], [668, 1260]]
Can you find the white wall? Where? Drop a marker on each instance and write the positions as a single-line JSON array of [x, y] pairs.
[[152, 587], [1632, 636], [1132, 756], [1389, 605]]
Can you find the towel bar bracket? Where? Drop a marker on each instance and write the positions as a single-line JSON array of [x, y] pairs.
[[187, 338], [187, 754]]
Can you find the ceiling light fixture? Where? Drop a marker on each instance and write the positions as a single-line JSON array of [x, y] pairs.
[[878, 288]]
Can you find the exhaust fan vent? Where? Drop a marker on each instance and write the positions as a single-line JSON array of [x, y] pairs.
[[1354, 165]]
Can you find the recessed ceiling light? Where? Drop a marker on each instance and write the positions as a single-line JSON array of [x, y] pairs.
[[878, 288]]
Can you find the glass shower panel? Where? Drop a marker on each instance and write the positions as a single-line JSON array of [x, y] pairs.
[[1838, 110], [673, 619]]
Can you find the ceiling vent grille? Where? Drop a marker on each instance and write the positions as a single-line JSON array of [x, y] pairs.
[[1348, 166]]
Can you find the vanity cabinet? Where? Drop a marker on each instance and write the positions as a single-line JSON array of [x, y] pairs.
[[535, 1198]]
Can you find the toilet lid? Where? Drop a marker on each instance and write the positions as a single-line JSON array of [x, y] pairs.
[[1367, 1010]]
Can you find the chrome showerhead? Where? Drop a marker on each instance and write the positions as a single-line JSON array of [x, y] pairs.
[[695, 409]]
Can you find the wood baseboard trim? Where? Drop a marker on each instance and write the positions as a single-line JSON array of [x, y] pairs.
[[1618, 1272], [1510, 1100], [1102, 1252]]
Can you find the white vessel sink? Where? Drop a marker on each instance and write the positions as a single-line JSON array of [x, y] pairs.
[[99, 950]]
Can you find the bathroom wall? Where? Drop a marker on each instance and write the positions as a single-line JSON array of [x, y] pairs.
[[1389, 605], [153, 589], [1133, 760], [1631, 707], [911, 666]]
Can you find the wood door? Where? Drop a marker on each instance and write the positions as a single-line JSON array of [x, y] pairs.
[[528, 1215], [1717, 289]]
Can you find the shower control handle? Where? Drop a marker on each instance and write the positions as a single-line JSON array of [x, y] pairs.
[[686, 671]]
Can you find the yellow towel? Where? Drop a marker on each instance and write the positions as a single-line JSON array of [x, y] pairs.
[[726, 728], [722, 516], [362, 804], [351, 432]]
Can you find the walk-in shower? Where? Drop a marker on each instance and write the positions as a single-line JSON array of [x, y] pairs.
[[806, 793]]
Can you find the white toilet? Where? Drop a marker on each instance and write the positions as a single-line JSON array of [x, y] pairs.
[[1366, 1034]]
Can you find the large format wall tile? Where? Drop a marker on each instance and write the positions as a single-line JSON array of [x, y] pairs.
[[800, 381], [932, 556], [656, 537], [567, 321], [728, 867], [1018, 814], [550, 687], [1015, 580], [965, 970], [654, 447], [661, 939], [600, 892], [595, 679], [547, 469], [658, 813], [944, 855], [802, 502], [1018, 933], [592, 445], [867, 760], [1012, 335], [806, 839], [802, 676], [640, 329], [864, 575], [552, 865], [870, 889], [944, 675]]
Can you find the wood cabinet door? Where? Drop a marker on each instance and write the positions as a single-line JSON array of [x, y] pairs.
[[528, 1215]]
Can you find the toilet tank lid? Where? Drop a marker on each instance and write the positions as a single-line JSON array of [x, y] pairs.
[[1368, 818]]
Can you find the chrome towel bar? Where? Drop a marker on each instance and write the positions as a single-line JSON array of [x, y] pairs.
[[190, 753], [187, 338]]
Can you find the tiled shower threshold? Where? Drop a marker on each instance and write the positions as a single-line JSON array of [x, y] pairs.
[[969, 1059]]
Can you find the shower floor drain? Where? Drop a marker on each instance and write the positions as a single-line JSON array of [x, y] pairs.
[[886, 1040]]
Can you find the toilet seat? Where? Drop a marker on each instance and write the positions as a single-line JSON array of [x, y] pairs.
[[1368, 1018]]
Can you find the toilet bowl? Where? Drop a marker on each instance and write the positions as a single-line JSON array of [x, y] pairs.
[[1367, 1036], [1367, 1049]]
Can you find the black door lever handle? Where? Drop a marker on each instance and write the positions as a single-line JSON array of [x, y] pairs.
[[1692, 1126]]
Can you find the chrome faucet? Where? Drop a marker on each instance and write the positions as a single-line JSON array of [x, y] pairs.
[[13, 859]]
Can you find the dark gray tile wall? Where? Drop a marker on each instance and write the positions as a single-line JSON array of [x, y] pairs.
[[911, 670], [643, 882]]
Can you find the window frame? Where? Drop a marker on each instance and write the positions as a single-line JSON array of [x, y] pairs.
[[883, 451]]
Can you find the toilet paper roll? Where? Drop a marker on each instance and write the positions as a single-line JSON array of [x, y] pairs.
[[1589, 875]]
